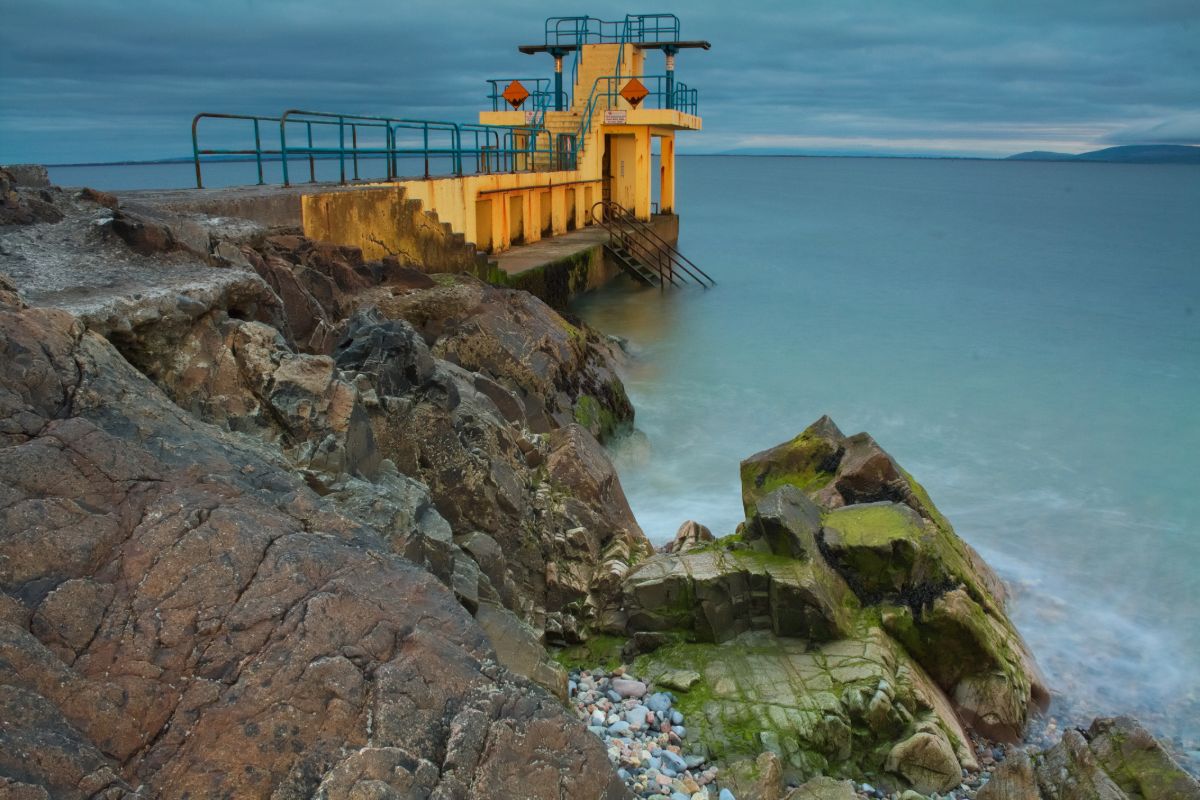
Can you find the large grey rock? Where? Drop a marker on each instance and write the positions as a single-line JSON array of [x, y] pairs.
[[785, 522], [1137, 763], [1070, 771], [32, 175], [716, 595]]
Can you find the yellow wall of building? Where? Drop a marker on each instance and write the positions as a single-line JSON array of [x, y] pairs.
[[495, 210]]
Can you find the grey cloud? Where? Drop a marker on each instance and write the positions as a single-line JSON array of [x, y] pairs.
[[106, 79]]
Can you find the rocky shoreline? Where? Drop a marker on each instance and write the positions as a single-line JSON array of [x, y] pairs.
[[281, 522]]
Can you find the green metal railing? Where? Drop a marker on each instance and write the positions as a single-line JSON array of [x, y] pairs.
[[444, 147], [606, 92], [541, 93], [577, 31]]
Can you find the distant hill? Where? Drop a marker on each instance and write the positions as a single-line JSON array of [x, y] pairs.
[[1125, 154]]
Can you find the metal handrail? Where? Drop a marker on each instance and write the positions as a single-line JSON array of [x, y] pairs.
[[494, 148], [685, 99], [591, 30], [541, 95], [626, 215], [620, 235], [258, 152], [658, 249]]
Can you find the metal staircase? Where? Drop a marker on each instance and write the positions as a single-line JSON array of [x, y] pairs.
[[642, 253]]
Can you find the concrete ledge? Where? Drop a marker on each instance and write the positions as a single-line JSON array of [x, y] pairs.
[[560, 268]]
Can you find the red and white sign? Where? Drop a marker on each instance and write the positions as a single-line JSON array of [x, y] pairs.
[[614, 117]]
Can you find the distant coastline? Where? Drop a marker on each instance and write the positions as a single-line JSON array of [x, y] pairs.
[[1124, 154]]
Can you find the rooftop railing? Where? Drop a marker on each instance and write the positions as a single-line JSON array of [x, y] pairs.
[[590, 30]]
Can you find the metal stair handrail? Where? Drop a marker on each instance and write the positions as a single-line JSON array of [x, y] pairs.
[[645, 256], [616, 210]]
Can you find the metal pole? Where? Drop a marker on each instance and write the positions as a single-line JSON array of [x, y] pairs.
[[354, 144], [283, 151], [670, 76], [196, 151], [312, 166], [342, 149], [558, 92], [258, 152]]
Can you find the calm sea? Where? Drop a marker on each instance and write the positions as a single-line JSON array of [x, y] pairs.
[[1023, 337]]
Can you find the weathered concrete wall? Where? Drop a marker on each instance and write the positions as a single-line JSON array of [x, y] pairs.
[[382, 221]]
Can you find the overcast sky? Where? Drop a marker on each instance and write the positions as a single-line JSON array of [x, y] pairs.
[[121, 79]]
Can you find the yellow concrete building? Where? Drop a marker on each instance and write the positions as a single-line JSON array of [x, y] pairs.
[[551, 156], [612, 138]]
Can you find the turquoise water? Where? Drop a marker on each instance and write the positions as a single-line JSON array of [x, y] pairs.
[[1023, 337]]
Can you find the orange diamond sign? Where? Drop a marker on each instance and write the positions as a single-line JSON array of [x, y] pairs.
[[635, 92], [515, 94]]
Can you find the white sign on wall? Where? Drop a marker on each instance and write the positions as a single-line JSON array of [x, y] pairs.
[[529, 117], [614, 117]]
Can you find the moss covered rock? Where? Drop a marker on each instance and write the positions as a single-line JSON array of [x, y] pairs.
[[1137, 763], [715, 594], [883, 533], [835, 709]]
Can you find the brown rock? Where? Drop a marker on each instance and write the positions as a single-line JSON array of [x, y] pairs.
[[927, 761], [257, 642], [690, 535], [1012, 780], [99, 198]]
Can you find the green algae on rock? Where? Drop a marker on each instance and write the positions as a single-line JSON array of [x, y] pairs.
[[844, 627]]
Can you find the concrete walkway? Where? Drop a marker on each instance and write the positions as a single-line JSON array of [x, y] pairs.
[[525, 257]]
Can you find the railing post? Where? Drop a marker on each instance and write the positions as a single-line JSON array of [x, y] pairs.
[[196, 151], [354, 144], [670, 51], [283, 150], [390, 136], [425, 135], [342, 150], [258, 152], [312, 165], [456, 146]]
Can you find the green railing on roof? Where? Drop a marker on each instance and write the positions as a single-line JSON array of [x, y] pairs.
[[575, 31]]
